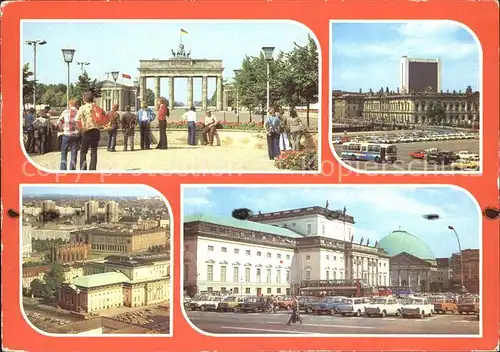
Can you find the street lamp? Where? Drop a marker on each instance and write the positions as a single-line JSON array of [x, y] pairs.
[[268, 54], [34, 43], [136, 88], [114, 74], [461, 258], [236, 72], [81, 64], [68, 55]]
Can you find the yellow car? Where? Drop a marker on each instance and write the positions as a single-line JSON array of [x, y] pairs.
[[466, 164]]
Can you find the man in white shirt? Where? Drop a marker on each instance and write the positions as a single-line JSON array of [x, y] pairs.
[[190, 116], [145, 116]]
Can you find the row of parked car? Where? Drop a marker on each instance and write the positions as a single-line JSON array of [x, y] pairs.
[[419, 136], [235, 303], [384, 306], [463, 160]]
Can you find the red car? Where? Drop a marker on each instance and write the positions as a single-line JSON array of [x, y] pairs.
[[419, 154]]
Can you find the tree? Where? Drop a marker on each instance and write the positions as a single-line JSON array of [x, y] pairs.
[[36, 287], [150, 97], [85, 84], [50, 215], [54, 278], [436, 114], [28, 84]]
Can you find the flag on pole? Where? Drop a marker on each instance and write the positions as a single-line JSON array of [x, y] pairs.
[[183, 31], [124, 75]]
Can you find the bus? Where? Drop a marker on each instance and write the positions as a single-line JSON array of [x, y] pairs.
[[367, 151]]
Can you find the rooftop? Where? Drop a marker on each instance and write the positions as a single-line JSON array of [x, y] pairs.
[[96, 280], [242, 224], [314, 210]]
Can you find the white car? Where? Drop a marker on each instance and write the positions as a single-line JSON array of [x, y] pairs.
[[465, 154], [384, 306], [352, 306], [417, 307], [204, 302]]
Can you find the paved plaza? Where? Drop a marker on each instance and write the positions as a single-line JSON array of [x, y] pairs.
[[406, 163], [269, 323]]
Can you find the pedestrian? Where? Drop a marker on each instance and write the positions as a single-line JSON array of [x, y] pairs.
[[128, 122], [295, 312], [208, 129], [272, 127], [40, 126], [163, 114], [145, 116], [45, 113], [296, 128], [70, 136], [284, 143], [112, 127], [30, 130], [190, 117], [90, 119]]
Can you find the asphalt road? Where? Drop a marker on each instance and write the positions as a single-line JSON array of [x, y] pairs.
[[268, 323], [406, 163]]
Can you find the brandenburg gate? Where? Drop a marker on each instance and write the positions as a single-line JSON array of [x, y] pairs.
[[181, 65]]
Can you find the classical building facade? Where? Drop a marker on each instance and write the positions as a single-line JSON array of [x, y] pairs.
[[412, 264], [278, 253], [444, 273], [471, 273], [348, 107], [70, 252], [181, 65], [116, 93]]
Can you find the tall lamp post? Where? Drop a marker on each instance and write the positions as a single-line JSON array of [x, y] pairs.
[[268, 54], [34, 43], [236, 72], [114, 74], [462, 289], [136, 88], [81, 64], [68, 55]]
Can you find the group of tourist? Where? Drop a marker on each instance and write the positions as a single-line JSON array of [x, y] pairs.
[[38, 130], [283, 132]]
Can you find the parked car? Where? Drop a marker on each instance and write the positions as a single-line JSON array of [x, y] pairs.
[[465, 154], [230, 304], [202, 302], [445, 158], [443, 304], [352, 306], [384, 306], [468, 305], [285, 302], [466, 164], [329, 305], [418, 154], [253, 304], [417, 307], [304, 300], [310, 306]]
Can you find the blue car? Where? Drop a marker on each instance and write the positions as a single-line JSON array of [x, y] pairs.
[[329, 305]]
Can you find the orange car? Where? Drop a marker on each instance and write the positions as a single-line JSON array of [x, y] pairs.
[[285, 302], [443, 304]]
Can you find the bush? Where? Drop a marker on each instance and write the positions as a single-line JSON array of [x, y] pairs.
[[306, 160], [241, 126]]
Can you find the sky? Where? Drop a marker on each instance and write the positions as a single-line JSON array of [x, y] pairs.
[[119, 45], [366, 55], [92, 190], [377, 210]]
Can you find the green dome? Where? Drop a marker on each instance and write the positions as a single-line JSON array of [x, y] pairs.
[[402, 241]]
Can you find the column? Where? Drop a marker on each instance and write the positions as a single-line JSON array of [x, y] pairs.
[[219, 93], [428, 282], [142, 88], [171, 101], [120, 100], [204, 93], [399, 278], [418, 278], [157, 89], [190, 92], [225, 99], [408, 272]]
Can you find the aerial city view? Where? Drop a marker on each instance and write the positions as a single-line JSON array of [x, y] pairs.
[[96, 260], [261, 260], [406, 96], [243, 98]]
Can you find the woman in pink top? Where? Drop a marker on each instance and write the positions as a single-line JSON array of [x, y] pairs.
[[162, 114]]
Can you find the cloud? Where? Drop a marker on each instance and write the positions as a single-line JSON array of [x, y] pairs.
[[198, 198], [424, 29]]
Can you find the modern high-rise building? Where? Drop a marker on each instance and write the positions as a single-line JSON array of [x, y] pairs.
[[91, 210], [419, 75], [48, 205], [111, 211]]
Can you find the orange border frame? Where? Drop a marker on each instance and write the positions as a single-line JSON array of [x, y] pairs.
[[481, 17]]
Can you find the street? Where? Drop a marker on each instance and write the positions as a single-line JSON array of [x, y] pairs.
[[268, 323], [406, 163]]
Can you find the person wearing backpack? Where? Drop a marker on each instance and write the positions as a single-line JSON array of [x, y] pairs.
[[90, 118], [145, 116], [272, 127]]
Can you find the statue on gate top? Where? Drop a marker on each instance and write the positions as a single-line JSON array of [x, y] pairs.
[[181, 53]]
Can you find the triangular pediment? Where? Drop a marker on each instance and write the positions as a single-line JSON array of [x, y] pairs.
[[404, 258]]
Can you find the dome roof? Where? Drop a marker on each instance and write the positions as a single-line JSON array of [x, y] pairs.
[[401, 241]]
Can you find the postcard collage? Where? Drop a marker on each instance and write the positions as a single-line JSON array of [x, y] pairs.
[[271, 176]]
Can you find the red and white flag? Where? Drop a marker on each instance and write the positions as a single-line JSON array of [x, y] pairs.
[[124, 75]]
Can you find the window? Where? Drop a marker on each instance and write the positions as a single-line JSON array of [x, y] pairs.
[[334, 257], [269, 255], [335, 275], [247, 274], [341, 275], [236, 274], [247, 252], [308, 274], [278, 276], [259, 254], [293, 224], [278, 290], [235, 290], [247, 290], [269, 291], [278, 256], [287, 276], [210, 273], [322, 228], [223, 249], [385, 280], [223, 273], [236, 251], [268, 278], [308, 257], [327, 257], [309, 227], [288, 256], [210, 248], [258, 275], [327, 275], [210, 289]]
